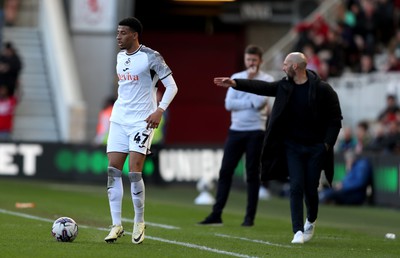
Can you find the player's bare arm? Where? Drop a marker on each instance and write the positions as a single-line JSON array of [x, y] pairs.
[[224, 82], [153, 120]]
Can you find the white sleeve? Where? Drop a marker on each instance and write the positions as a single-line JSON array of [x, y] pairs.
[[170, 91]]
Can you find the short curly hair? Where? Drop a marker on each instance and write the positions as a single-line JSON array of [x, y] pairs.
[[133, 23]]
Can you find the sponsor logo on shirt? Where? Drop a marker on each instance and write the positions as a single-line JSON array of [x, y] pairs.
[[127, 77]]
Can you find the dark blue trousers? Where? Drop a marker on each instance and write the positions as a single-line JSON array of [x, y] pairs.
[[237, 144], [304, 165]]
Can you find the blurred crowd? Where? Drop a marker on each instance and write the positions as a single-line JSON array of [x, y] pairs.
[[10, 68], [365, 37], [381, 136]]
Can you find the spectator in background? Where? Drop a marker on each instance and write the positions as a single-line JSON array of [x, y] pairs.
[[389, 113], [351, 13], [393, 52], [346, 29], [365, 27], [245, 136], [384, 21], [10, 67], [352, 190], [314, 33], [394, 44], [363, 138], [393, 63], [7, 109], [364, 30], [377, 141], [11, 9], [366, 64], [347, 140], [391, 140], [103, 122], [313, 61], [333, 53], [324, 71]]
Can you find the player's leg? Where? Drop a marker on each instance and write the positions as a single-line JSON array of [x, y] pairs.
[[138, 195], [233, 152], [139, 145], [137, 184], [312, 175], [117, 148], [317, 154], [115, 188], [253, 153], [295, 156]]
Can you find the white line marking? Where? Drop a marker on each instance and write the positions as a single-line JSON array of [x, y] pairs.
[[201, 247], [23, 215], [194, 246], [153, 224], [253, 240]]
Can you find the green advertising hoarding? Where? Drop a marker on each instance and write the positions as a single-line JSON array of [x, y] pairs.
[[88, 163]]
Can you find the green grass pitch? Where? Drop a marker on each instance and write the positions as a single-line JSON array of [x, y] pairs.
[[171, 217]]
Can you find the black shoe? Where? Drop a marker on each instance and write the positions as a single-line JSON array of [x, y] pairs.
[[247, 223], [211, 221]]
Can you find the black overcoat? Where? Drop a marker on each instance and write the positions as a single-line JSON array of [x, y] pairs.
[[325, 109]]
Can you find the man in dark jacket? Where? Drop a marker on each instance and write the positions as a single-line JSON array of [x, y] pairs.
[[301, 131], [10, 67]]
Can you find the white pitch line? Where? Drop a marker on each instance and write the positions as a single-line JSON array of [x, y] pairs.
[[253, 240], [201, 247], [153, 224], [194, 246], [27, 216]]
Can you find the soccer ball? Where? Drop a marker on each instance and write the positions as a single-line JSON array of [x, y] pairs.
[[64, 229]]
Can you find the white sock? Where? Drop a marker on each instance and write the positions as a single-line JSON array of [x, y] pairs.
[[138, 195], [115, 192]]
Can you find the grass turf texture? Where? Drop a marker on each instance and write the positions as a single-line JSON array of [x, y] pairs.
[[340, 232]]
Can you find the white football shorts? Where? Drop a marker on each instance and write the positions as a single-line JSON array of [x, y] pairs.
[[124, 139]]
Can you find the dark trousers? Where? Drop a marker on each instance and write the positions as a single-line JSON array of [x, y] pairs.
[[238, 143], [304, 165]]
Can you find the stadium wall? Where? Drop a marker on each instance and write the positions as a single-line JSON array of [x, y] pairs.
[[63, 75]]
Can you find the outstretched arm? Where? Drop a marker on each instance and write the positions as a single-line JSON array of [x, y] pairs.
[[224, 82], [253, 86]]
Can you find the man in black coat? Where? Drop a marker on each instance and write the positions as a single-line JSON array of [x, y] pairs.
[[301, 132], [10, 67]]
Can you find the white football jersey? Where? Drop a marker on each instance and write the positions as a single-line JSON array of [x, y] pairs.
[[138, 74]]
